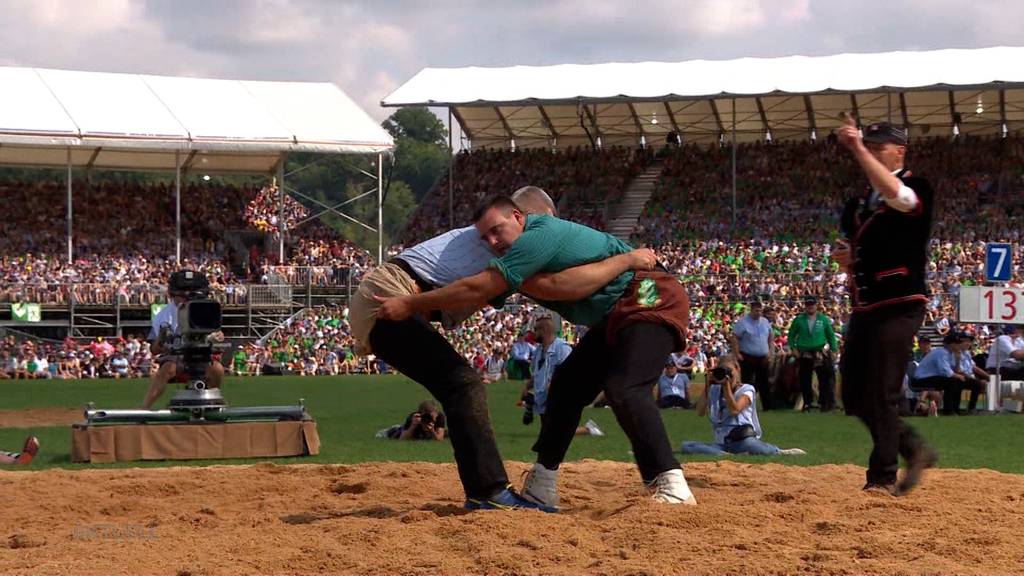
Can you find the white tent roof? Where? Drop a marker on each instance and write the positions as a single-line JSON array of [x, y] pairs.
[[129, 121], [788, 96]]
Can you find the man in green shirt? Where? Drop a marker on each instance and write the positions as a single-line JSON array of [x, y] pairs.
[[636, 320], [809, 334]]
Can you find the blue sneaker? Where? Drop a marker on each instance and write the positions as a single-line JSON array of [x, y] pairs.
[[507, 499]]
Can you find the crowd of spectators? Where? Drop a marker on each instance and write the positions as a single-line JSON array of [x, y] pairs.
[[587, 178], [264, 210]]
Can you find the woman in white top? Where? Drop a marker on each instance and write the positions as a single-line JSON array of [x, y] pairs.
[[730, 406]]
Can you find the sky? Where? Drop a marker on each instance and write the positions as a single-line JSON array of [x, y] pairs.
[[369, 48]]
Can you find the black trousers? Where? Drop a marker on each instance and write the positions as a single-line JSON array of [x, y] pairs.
[[418, 351], [673, 402], [875, 355], [625, 371], [952, 389], [1009, 373], [826, 381], [754, 370]]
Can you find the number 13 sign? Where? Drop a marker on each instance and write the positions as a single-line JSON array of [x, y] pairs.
[[991, 305]]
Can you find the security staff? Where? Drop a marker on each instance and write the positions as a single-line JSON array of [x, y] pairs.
[[812, 341], [885, 249]]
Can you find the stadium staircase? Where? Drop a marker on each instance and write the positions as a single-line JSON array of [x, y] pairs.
[[622, 222]]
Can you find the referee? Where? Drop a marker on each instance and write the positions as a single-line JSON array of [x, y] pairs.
[[885, 249]]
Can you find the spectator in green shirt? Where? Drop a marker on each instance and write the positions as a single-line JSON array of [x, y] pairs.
[[813, 342]]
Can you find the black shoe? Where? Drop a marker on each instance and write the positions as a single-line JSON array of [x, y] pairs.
[[889, 489], [528, 417], [807, 408], [921, 460]]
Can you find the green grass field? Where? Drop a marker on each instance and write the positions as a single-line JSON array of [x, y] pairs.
[[350, 409]]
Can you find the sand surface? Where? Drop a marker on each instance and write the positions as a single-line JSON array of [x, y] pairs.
[[388, 518]]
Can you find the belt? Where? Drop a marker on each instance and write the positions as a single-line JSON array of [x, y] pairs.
[[423, 284]]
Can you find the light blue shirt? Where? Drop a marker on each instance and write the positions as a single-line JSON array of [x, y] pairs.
[[938, 362], [718, 411], [674, 386], [966, 364], [449, 257], [753, 335], [543, 364], [522, 350]]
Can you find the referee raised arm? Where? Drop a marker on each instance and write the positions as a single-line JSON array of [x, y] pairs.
[[885, 249]]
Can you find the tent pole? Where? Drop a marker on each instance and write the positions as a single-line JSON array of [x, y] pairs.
[[71, 253], [734, 164], [380, 207], [280, 212], [177, 207], [451, 175]]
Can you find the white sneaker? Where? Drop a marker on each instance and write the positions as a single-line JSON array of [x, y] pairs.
[[792, 452], [540, 486], [593, 429], [670, 487]]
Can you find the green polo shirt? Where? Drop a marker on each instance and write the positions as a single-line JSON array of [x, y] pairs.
[[549, 244]]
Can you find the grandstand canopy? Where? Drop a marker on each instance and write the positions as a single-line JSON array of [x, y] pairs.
[[980, 90], [132, 121]]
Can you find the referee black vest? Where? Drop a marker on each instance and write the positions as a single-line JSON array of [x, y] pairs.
[[889, 247]]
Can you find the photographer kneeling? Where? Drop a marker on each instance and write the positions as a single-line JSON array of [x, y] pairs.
[[731, 407], [426, 423], [182, 287]]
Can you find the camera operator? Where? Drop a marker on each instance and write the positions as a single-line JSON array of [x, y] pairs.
[[731, 407], [426, 423], [162, 335]]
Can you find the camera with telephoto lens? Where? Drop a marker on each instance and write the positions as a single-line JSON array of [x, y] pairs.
[[198, 320], [719, 374], [426, 418]]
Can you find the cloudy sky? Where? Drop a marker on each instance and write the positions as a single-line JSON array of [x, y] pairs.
[[370, 47]]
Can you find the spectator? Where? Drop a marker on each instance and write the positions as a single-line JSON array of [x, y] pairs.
[[813, 342], [672, 391]]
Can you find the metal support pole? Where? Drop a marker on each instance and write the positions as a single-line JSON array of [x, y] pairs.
[[177, 207], [734, 164], [280, 212], [451, 175], [71, 253], [380, 208]]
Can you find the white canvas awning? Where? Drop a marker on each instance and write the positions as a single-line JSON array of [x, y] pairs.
[[130, 121], [789, 97]]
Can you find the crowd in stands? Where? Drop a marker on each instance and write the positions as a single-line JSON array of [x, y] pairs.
[[586, 178], [778, 251]]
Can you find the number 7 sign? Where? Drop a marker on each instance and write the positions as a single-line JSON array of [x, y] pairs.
[[998, 262]]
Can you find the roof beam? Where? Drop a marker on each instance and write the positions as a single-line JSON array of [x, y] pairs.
[[952, 108], [462, 123], [92, 159], [636, 120], [1002, 109], [187, 164], [551, 127], [903, 111], [672, 118], [508, 129], [764, 117], [810, 114], [718, 117], [592, 116], [856, 110]]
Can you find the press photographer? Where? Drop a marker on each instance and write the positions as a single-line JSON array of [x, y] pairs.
[[184, 334]]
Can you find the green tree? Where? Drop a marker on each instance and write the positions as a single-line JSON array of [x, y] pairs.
[[421, 148], [417, 123]]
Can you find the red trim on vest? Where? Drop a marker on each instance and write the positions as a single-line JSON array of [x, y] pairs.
[[891, 301], [902, 270]]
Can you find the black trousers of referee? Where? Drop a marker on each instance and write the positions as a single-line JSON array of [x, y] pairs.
[[875, 355], [625, 372], [754, 370], [415, 349]]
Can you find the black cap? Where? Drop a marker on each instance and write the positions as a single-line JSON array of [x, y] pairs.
[[883, 132], [951, 338], [808, 300]]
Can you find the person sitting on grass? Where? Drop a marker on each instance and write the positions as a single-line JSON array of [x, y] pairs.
[[672, 387], [731, 407], [426, 423], [28, 451]]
